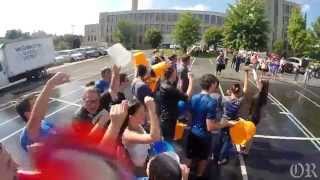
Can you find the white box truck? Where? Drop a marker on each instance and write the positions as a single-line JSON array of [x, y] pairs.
[[25, 59]]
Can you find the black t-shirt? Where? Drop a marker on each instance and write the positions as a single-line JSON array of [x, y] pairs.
[[184, 80], [106, 100], [168, 97], [82, 116]]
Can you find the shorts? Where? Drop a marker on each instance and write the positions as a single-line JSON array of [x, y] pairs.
[[220, 67], [198, 148], [168, 129]]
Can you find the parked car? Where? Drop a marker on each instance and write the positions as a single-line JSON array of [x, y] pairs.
[[77, 55], [63, 56], [302, 63], [92, 52], [103, 51]]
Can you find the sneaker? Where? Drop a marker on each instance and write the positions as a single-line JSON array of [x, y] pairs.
[[223, 161]]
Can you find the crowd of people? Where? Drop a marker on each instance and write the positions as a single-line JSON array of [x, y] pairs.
[[129, 129]]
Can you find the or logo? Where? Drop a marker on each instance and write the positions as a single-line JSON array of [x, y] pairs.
[[306, 170]]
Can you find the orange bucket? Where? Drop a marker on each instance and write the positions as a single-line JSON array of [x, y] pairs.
[[179, 131], [139, 58], [242, 132], [160, 68], [152, 83]]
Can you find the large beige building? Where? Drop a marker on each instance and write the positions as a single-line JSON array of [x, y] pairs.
[[278, 13], [163, 20]]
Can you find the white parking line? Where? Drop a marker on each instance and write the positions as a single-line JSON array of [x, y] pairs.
[[17, 117], [7, 106], [313, 102], [66, 102], [287, 138], [49, 115]]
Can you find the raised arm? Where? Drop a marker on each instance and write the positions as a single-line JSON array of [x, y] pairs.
[[246, 81], [115, 82], [155, 133], [40, 106], [190, 86], [118, 115]]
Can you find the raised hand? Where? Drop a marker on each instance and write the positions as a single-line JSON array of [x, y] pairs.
[[118, 113], [58, 79], [149, 102]]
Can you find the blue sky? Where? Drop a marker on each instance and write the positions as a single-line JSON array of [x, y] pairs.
[[67, 16]]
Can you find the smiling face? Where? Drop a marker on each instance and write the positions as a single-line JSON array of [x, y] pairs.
[[91, 101]]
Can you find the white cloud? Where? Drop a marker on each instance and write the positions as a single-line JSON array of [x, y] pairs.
[[198, 7], [306, 8]]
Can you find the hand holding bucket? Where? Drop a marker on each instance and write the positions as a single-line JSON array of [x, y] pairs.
[[242, 132]]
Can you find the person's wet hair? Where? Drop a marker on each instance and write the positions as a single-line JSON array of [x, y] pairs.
[[207, 80], [133, 107], [24, 105], [141, 71], [123, 78], [163, 167], [104, 71], [236, 89], [185, 58], [173, 57], [262, 100], [93, 89], [91, 83], [168, 73], [263, 95]]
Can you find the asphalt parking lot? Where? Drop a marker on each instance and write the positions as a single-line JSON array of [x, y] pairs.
[[287, 137]]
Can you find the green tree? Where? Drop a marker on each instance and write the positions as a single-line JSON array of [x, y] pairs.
[[246, 26], [316, 28], [186, 31], [297, 34], [314, 51], [16, 34], [126, 34], [153, 37], [278, 47], [67, 41], [213, 36]]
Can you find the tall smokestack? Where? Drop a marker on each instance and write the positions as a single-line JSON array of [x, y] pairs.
[[134, 5]]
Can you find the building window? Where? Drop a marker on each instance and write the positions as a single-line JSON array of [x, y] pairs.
[[219, 20], [163, 28], [158, 17], [95, 38], [206, 19], [163, 17], [88, 38], [175, 17]]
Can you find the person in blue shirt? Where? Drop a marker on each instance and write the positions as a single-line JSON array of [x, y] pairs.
[[33, 109], [230, 112], [204, 121], [103, 84]]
